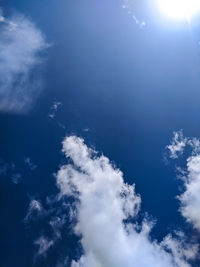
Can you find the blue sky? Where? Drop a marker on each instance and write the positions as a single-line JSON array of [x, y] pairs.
[[126, 86]]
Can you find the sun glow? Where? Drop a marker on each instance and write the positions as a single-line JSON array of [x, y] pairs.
[[180, 9]]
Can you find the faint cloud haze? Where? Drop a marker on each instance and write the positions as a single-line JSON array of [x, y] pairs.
[[21, 43], [32, 166], [35, 209], [54, 109], [43, 244], [16, 178]]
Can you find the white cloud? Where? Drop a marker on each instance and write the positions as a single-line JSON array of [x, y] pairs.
[[180, 249], [103, 204], [194, 143], [190, 198], [20, 45], [177, 145]]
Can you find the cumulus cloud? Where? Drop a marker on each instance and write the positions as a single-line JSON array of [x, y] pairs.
[[190, 198], [106, 215], [177, 145], [21, 43]]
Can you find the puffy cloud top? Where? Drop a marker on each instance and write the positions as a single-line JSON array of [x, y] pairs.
[[190, 198], [106, 215]]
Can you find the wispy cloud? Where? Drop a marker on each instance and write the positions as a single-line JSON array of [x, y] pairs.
[[16, 177], [104, 204], [57, 223], [9, 170], [35, 210], [177, 145], [21, 43], [63, 263], [30, 164], [54, 109], [43, 244]]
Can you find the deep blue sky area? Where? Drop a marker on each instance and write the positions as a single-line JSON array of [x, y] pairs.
[[123, 88]]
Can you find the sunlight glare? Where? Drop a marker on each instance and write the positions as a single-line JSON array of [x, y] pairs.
[[180, 9]]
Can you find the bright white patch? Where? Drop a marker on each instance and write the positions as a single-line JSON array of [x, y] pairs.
[[103, 204], [190, 198], [131, 5], [180, 9]]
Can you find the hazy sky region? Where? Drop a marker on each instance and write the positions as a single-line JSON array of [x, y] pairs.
[[100, 133]]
